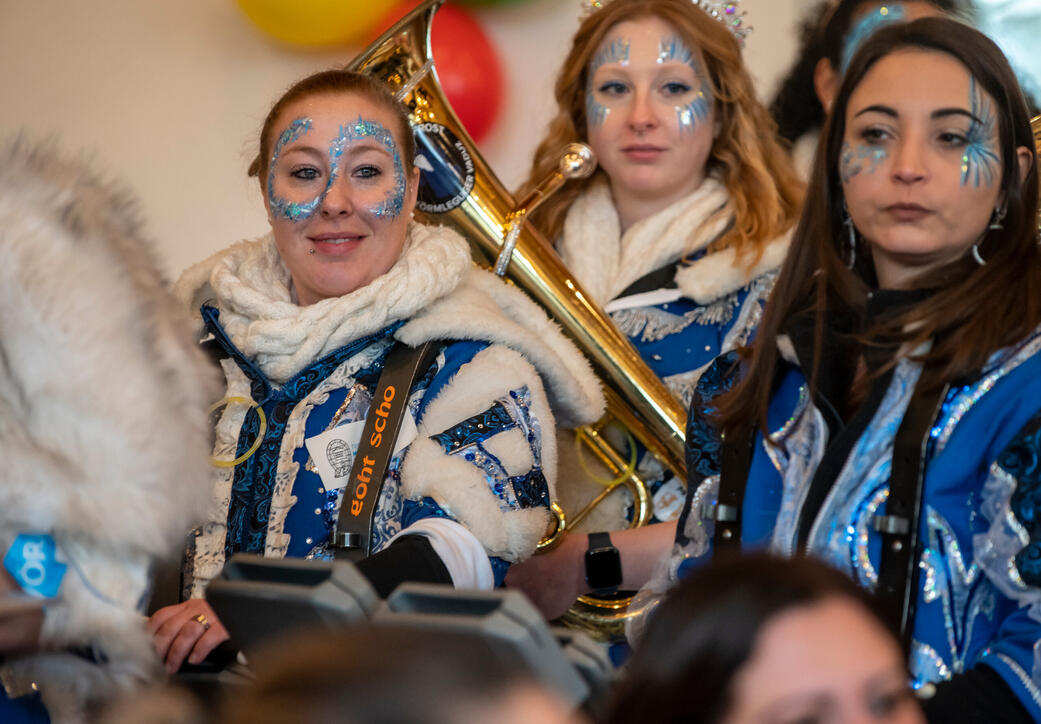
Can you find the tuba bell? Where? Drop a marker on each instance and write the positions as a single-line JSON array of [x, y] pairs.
[[458, 189]]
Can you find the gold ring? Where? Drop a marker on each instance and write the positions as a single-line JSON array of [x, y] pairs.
[[201, 618]]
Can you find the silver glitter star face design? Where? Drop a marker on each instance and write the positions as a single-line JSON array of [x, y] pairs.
[[980, 162], [854, 160]]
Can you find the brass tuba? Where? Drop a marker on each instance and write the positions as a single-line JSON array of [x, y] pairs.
[[458, 189]]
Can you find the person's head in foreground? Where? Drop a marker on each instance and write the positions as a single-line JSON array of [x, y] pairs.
[[765, 640], [390, 675]]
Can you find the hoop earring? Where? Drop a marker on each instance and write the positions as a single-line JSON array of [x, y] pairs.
[[997, 219], [852, 239], [976, 253]]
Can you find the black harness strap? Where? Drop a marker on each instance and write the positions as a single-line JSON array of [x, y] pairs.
[[734, 465], [403, 367], [897, 589]]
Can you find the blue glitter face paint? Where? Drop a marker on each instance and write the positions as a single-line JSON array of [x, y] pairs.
[[595, 112], [865, 27], [392, 200], [863, 157], [280, 206], [673, 49], [616, 52], [980, 162], [690, 114]]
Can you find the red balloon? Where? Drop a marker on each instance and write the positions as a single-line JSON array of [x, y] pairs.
[[466, 62]]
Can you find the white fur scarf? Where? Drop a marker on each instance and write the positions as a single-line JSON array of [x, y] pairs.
[[606, 262], [251, 285], [103, 425]]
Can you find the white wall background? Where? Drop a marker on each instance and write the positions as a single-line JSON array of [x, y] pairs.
[[167, 96]]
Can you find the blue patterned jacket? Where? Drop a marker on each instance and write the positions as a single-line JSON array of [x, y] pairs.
[[979, 601], [327, 407], [478, 446]]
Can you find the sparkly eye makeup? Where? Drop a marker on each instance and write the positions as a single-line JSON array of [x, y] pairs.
[[866, 27], [673, 49], [669, 88], [616, 52], [286, 207], [595, 111], [280, 206], [979, 162], [855, 159], [394, 200]]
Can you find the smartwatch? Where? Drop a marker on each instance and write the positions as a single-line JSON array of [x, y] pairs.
[[603, 565]]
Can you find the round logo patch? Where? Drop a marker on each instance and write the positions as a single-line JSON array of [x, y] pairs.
[[340, 457], [446, 169]]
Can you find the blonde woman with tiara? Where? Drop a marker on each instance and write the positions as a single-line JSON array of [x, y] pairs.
[[679, 233]]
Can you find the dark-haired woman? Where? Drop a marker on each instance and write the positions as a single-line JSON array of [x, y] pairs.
[[762, 639], [888, 418], [832, 33], [304, 320]]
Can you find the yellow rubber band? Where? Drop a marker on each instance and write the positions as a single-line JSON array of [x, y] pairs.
[[256, 443], [628, 470]]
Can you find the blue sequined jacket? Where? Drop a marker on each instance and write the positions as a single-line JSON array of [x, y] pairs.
[[477, 447], [979, 601], [679, 302]]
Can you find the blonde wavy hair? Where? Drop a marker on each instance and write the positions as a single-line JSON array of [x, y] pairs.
[[765, 191]]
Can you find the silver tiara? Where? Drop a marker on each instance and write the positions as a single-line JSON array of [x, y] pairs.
[[725, 11]]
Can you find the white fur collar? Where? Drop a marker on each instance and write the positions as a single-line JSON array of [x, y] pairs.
[[251, 286], [606, 261], [486, 309], [715, 275]]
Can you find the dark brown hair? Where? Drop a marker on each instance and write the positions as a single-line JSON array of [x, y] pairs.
[[975, 310], [707, 627], [796, 107], [332, 82], [375, 674], [764, 189]]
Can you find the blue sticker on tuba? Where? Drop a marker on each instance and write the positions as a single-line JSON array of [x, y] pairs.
[[32, 560]]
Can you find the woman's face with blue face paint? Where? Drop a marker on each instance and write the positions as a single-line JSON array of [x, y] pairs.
[[650, 112], [337, 193], [920, 165]]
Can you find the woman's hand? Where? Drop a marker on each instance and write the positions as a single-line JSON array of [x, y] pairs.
[[555, 579], [181, 632]]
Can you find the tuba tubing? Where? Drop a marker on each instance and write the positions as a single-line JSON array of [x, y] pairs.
[[481, 210]]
